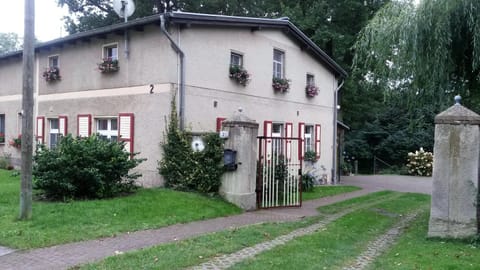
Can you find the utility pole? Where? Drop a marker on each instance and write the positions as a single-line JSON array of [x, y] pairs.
[[27, 111]]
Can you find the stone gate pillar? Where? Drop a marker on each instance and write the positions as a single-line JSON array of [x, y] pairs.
[[238, 187], [453, 211]]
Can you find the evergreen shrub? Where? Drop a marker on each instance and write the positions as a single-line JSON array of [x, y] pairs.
[[84, 168], [186, 170]]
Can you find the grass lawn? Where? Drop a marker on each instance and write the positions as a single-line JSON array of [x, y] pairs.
[[325, 191], [415, 251], [56, 223], [340, 241]]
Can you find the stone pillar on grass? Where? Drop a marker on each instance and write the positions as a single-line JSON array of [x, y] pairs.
[[456, 152], [238, 187]]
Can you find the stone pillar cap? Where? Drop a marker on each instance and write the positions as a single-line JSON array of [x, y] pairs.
[[457, 115], [239, 118]]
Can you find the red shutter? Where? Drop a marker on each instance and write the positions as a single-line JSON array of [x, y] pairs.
[[84, 125], [62, 125], [267, 132], [219, 123], [126, 125], [301, 141], [288, 141], [40, 129], [318, 136]]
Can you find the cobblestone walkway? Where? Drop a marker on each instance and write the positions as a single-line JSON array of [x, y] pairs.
[[228, 260], [382, 243]]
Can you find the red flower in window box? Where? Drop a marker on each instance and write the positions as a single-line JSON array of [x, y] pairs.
[[108, 65], [311, 90], [16, 142], [239, 74], [52, 74], [280, 84], [2, 137]]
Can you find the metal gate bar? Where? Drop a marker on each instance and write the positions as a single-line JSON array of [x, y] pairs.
[[278, 172]]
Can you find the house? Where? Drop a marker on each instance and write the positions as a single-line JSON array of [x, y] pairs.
[[118, 81]]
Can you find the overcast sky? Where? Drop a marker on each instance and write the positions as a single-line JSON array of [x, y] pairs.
[[48, 23]]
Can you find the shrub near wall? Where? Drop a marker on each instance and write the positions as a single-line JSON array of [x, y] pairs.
[[84, 168], [186, 170]]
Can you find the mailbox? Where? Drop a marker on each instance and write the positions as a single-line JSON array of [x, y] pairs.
[[230, 159]]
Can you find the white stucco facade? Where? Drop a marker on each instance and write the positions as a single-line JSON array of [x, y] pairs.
[[209, 91]]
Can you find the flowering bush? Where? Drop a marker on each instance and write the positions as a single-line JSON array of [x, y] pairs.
[[311, 90], [239, 74], [52, 74], [280, 84], [420, 163], [16, 142], [108, 65]]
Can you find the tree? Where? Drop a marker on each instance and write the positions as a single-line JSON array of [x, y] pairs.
[[89, 14], [414, 59], [9, 42]]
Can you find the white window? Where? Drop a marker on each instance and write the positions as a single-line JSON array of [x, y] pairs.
[[278, 63], [277, 132], [107, 128], [53, 61], [236, 59], [54, 134], [310, 79], [309, 138], [110, 51]]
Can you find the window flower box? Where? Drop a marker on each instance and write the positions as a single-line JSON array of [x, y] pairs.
[[16, 142], [281, 84], [52, 74], [311, 90], [239, 74], [2, 137], [108, 65]]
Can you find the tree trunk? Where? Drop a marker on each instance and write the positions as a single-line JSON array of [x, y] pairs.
[[27, 115]]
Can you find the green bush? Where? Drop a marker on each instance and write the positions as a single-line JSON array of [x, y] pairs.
[[308, 181], [310, 156], [84, 168], [186, 170], [420, 163]]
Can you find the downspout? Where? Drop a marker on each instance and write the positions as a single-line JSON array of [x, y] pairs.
[[335, 147], [182, 73]]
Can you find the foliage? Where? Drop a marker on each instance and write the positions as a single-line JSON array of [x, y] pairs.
[[239, 74], [108, 65], [51, 74], [308, 181], [2, 137], [84, 168], [184, 169], [90, 14], [280, 84], [9, 42], [310, 156], [394, 56], [5, 161], [91, 219], [420, 163]]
